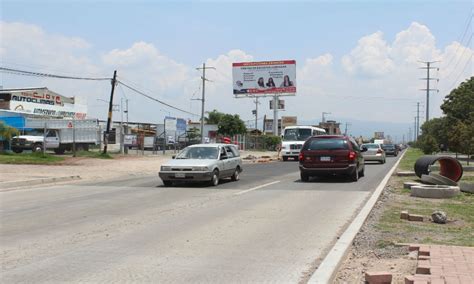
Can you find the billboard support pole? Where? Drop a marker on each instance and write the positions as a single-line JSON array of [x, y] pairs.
[[164, 136], [275, 115]]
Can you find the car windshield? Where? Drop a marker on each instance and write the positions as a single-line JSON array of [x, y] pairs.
[[389, 146], [296, 134], [198, 153], [327, 144], [371, 146]]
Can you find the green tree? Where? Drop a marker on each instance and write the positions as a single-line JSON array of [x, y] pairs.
[[459, 104], [214, 117], [438, 129], [428, 144], [231, 125], [6, 133]]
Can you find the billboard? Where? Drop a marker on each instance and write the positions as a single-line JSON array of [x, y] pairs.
[[264, 78], [288, 121], [41, 101]]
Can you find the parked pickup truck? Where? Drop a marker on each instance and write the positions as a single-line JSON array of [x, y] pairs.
[[60, 135]]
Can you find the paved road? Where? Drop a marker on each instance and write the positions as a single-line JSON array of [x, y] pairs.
[[268, 227]]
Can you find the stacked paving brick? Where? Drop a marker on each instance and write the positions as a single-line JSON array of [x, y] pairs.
[[443, 264]]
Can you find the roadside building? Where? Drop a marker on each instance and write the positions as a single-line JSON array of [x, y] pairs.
[[331, 127], [39, 102]]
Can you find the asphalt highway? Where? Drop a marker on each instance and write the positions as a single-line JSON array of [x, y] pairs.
[[267, 227]]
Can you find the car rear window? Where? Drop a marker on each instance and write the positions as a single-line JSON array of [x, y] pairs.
[[326, 144], [371, 146]]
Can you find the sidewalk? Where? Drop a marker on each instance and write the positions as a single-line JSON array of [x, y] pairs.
[[443, 264], [92, 169]]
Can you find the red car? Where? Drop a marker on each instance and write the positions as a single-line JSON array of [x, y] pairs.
[[326, 155]]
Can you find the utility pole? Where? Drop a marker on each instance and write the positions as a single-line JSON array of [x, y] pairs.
[[109, 117], [409, 134], [428, 79], [256, 112], [275, 115], [414, 131], [324, 117], [417, 120], [203, 77], [345, 131]]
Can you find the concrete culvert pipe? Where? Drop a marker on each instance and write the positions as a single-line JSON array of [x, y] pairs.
[[448, 167], [434, 191]]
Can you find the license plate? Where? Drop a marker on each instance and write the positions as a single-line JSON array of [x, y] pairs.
[[325, 159], [179, 175]]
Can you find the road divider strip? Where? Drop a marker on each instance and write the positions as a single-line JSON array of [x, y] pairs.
[[328, 268], [257, 187]]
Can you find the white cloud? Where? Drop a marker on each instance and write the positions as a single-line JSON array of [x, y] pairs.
[[413, 44], [371, 57], [377, 80]]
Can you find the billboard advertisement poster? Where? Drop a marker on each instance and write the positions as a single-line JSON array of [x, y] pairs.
[[288, 121], [264, 78], [170, 123], [181, 125], [130, 140]]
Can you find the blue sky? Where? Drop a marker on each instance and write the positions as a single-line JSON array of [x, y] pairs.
[[338, 45], [193, 31]]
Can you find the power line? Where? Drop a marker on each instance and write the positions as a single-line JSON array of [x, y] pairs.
[[461, 41], [460, 74], [154, 99], [460, 57], [39, 74]]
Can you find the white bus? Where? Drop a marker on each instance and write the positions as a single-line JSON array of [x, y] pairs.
[[293, 138]]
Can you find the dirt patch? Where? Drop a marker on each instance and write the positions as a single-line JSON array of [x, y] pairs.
[[375, 248], [371, 251]]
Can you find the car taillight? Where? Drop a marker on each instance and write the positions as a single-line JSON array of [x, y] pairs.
[[379, 151], [352, 156], [301, 157]]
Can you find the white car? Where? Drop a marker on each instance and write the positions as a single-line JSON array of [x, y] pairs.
[[203, 162]]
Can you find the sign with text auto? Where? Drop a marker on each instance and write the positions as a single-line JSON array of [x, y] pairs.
[[264, 78]]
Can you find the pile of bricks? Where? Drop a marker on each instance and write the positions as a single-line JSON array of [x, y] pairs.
[[411, 217], [443, 264]]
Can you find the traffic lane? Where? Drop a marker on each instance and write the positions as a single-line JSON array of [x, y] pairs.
[[253, 174], [271, 235], [374, 173], [132, 216]]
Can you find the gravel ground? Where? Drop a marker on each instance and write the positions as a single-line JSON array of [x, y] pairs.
[[96, 169], [370, 253]]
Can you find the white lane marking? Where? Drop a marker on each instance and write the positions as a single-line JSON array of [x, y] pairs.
[[257, 187]]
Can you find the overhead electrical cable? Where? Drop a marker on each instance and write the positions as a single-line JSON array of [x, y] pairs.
[[39, 74], [154, 99]]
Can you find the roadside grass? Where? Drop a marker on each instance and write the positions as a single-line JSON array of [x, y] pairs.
[[29, 158], [93, 154], [460, 210], [409, 159]]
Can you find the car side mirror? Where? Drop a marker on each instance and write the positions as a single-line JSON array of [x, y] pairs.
[[173, 157], [223, 157], [363, 149]]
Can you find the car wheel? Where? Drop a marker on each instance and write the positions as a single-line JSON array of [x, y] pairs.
[[167, 183], [236, 175], [17, 150], [285, 158], [215, 178], [37, 147], [304, 177], [355, 175]]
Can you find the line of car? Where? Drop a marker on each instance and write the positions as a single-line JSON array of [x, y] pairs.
[[323, 155]]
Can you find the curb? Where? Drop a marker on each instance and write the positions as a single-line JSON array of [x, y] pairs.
[[327, 270], [11, 185]]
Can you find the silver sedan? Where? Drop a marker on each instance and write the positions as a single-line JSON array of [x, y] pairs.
[[374, 153], [203, 162]]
